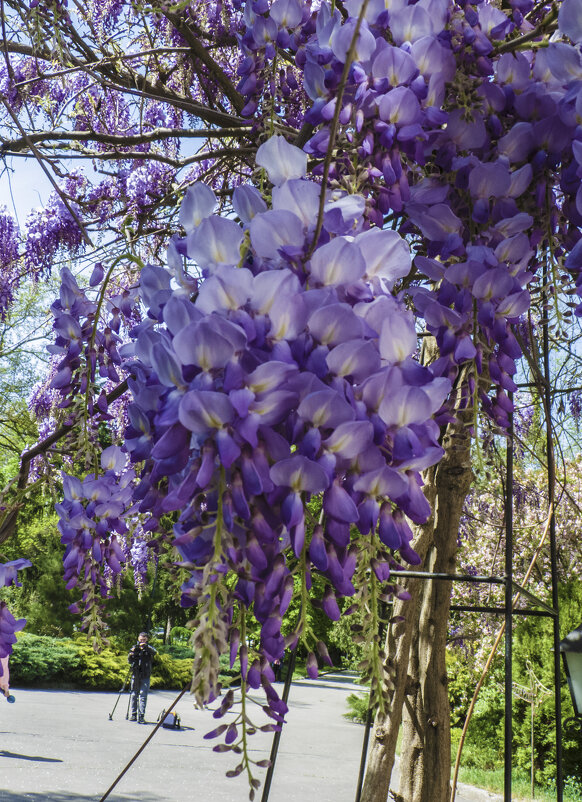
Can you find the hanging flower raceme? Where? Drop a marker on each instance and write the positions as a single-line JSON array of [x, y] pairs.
[[92, 523], [288, 376]]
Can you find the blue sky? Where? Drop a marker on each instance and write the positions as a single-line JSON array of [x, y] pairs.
[[23, 186]]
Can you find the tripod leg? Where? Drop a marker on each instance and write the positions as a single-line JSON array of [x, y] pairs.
[[118, 698], [129, 699]]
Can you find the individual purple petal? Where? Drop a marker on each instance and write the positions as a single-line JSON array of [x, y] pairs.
[[368, 512], [381, 569], [337, 263], [216, 241], [228, 448], [338, 503], [341, 40], [323, 653], [381, 482], [273, 407], [355, 358], [325, 408], [269, 376], [178, 312], [311, 666], [167, 367], [317, 552], [514, 304], [207, 343], [330, 605], [387, 529], [271, 285], [247, 201], [489, 180], [275, 230], [281, 160], [494, 283], [113, 459], [198, 203], [9, 572], [518, 143], [413, 503], [397, 337], [432, 58], [395, 65], [299, 197], [344, 213], [334, 323], [287, 316], [97, 275], [202, 411], [386, 254], [299, 473], [436, 222], [399, 107], [410, 23], [227, 288], [254, 675], [297, 535]]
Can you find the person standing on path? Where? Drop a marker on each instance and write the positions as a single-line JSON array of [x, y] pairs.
[[140, 659]]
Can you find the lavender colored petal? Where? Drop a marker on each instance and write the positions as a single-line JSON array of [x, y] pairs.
[[247, 202], [198, 203], [397, 338], [355, 358], [325, 408], [337, 263], [299, 473], [386, 253], [215, 241], [202, 411], [281, 160], [274, 230], [226, 289]]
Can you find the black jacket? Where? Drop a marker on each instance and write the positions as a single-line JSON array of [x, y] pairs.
[[140, 658]]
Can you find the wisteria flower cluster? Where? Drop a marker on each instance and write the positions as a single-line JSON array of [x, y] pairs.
[[92, 523], [290, 374]]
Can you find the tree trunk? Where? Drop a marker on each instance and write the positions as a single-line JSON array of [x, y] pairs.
[[415, 647]]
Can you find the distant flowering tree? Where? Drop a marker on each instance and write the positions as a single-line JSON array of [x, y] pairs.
[[382, 171]]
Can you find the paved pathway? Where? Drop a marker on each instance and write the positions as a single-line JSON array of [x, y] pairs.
[[61, 746]]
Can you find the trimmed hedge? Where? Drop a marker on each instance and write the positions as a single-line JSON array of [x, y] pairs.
[[42, 661]]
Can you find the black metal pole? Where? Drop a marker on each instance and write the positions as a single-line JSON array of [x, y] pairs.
[[508, 726], [369, 717], [277, 735], [553, 547]]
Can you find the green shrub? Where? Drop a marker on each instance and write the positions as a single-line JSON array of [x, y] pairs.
[[169, 672], [101, 671], [358, 704], [180, 634], [42, 660], [178, 651]]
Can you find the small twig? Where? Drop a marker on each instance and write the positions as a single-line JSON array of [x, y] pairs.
[[334, 127]]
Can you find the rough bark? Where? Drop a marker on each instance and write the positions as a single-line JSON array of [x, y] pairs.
[[425, 763], [415, 648]]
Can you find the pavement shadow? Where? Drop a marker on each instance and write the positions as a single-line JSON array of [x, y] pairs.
[[36, 758], [65, 796], [330, 683]]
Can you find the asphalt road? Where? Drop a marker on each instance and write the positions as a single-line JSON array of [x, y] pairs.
[[61, 746]]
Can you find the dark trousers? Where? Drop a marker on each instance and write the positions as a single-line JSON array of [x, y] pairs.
[[139, 696]]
